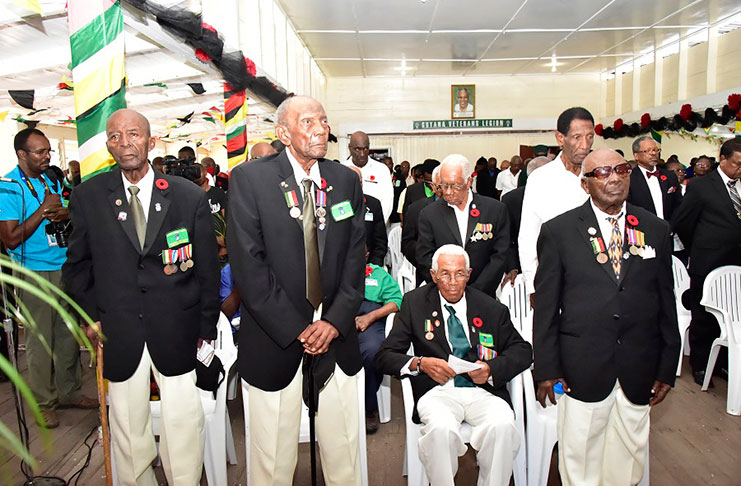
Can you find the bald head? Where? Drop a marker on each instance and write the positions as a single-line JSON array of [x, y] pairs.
[[599, 158], [261, 149], [130, 117], [359, 148], [607, 188], [129, 140], [536, 163]]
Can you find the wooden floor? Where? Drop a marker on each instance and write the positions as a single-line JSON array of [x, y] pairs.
[[693, 442]]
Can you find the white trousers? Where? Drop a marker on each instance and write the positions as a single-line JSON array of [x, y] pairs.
[[181, 427], [494, 434], [274, 423], [602, 443]]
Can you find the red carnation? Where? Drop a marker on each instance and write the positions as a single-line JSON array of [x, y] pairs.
[[598, 129], [618, 125], [200, 54], [161, 184], [368, 271], [663, 177], [645, 120], [251, 68], [208, 27], [685, 112], [478, 322], [734, 101], [324, 183], [632, 220], [475, 213], [474, 174]]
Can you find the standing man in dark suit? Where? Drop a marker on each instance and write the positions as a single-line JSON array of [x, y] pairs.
[[409, 233], [376, 239], [478, 223], [420, 190], [296, 245], [605, 326], [486, 179], [142, 262], [709, 224], [449, 319], [652, 188]]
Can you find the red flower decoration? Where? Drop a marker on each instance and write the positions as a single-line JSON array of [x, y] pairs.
[[372, 177], [475, 213], [251, 68], [734, 101], [645, 120], [368, 271], [161, 184], [200, 54], [685, 112], [324, 183], [207, 27], [618, 124], [478, 322], [598, 129], [474, 174], [632, 220], [663, 177]]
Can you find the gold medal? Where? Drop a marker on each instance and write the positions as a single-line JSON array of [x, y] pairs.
[[321, 212], [602, 258], [170, 269], [295, 212], [183, 266], [429, 336], [189, 263], [633, 250]]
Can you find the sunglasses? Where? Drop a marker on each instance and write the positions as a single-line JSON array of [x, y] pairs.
[[605, 172]]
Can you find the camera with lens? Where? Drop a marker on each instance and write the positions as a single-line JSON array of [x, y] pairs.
[[60, 231], [181, 168]]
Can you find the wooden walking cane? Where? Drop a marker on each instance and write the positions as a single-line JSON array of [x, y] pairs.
[[104, 416]]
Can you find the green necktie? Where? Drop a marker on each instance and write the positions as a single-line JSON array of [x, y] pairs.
[[459, 343], [311, 249], [140, 222]]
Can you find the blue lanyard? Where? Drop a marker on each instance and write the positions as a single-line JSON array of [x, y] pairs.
[[30, 186]]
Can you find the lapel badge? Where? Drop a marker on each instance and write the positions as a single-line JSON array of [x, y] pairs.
[[157, 207], [591, 231], [434, 313], [118, 202], [122, 216], [283, 184]]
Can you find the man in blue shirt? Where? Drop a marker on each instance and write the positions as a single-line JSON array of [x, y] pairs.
[[26, 210]]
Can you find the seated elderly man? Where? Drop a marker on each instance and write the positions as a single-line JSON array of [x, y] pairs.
[[444, 319]]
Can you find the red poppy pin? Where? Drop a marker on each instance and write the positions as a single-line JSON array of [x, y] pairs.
[[478, 322], [372, 177], [368, 271], [475, 213], [632, 220], [663, 177], [324, 183], [161, 184]]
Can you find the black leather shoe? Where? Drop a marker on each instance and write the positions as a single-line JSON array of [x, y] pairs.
[[371, 423], [699, 377], [721, 373]]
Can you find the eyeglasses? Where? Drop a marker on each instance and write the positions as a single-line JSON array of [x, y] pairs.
[[606, 171], [446, 277], [42, 152], [452, 187], [650, 151]]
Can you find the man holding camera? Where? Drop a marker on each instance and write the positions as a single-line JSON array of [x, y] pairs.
[[34, 225]]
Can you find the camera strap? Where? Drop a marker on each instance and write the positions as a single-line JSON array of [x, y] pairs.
[[32, 189]]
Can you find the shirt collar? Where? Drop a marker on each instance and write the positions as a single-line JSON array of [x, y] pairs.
[[646, 171], [144, 185], [601, 215], [300, 174], [469, 195], [459, 307], [724, 177]]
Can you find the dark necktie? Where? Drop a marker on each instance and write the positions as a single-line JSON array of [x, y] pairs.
[[311, 249], [459, 343], [140, 222], [615, 248], [654, 174], [735, 199]]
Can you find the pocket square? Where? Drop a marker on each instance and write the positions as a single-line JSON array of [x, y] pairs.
[[671, 189], [648, 252]]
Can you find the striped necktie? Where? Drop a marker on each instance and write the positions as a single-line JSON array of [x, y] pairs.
[[735, 199], [615, 248]]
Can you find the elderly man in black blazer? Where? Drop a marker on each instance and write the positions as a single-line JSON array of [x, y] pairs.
[[605, 325], [296, 246], [142, 262], [478, 223], [446, 319], [709, 224]]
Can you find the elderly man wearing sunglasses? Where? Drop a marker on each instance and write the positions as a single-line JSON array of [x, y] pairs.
[[605, 325]]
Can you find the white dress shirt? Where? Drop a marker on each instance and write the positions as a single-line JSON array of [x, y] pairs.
[[655, 189], [726, 180], [506, 181], [461, 217], [145, 186], [605, 226], [300, 174], [377, 183], [550, 191]]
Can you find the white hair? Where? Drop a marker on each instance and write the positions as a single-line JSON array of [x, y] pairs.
[[436, 173], [458, 160], [281, 113], [450, 250], [536, 163]]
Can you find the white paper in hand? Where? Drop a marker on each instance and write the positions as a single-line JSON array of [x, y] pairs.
[[461, 366]]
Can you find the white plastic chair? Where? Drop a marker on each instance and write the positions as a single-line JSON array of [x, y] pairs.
[[516, 299], [395, 255], [406, 277], [720, 296], [681, 285], [304, 429], [384, 392], [413, 468], [541, 434]]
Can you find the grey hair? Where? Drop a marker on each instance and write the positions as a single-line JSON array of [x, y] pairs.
[[436, 173], [537, 162], [637, 143], [458, 160], [450, 250], [282, 111]]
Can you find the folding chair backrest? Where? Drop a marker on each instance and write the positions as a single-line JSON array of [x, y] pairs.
[[516, 299], [720, 295]]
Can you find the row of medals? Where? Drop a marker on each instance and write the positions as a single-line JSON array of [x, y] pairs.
[[171, 268], [634, 250], [321, 214], [483, 236]]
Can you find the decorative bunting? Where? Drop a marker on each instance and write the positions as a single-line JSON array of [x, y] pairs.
[[23, 97], [235, 125]]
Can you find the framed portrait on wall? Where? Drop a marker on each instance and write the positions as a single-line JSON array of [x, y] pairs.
[[463, 101]]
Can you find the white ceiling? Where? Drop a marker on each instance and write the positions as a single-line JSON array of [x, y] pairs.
[[487, 37]]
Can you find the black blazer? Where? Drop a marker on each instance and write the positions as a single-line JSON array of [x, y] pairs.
[[438, 227], [409, 232], [266, 251], [513, 200], [486, 184], [415, 192], [514, 354], [375, 230], [125, 288], [592, 329], [671, 193], [708, 225]]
